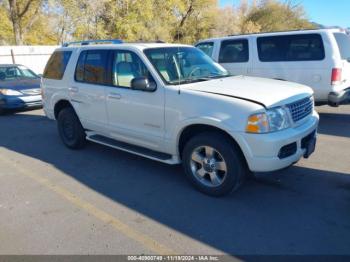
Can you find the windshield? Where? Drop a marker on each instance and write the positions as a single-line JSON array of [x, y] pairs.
[[179, 65], [343, 42], [16, 72]]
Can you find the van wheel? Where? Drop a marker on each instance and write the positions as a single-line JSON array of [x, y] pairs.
[[70, 129], [213, 164]]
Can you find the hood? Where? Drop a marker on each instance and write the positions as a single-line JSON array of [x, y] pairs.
[[267, 92], [20, 84]]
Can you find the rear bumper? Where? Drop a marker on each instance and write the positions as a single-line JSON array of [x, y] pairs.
[[7, 102], [339, 97]]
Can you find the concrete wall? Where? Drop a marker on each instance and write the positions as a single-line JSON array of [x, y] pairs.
[[34, 57]]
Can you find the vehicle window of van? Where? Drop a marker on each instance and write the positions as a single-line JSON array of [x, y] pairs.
[[56, 66], [206, 47], [234, 51], [127, 66], [343, 42], [286, 48], [92, 67]]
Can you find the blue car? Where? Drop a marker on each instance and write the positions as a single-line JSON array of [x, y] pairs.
[[19, 88]]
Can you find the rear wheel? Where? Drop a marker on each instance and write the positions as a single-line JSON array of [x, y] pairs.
[[214, 164], [70, 129]]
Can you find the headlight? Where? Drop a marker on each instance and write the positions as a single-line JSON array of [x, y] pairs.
[[272, 120], [10, 92]]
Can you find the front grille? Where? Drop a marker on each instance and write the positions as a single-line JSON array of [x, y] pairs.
[[301, 109], [31, 92]]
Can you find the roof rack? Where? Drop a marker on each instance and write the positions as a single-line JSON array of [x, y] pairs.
[[91, 42]]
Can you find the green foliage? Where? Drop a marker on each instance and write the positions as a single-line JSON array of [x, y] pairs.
[[185, 21]]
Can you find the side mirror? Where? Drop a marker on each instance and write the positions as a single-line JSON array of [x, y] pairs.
[[142, 84]]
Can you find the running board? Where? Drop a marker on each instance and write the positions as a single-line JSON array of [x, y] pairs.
[[137, 150]]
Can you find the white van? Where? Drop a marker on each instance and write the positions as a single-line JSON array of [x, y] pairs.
[[316, 58]]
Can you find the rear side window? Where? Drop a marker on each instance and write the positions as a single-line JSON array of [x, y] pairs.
[[234, 51], [56, 66], [92, 67], [287, 48], [206, 47], [343, 42]]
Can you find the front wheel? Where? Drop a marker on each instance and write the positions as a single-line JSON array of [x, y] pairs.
[[214, 164], [70, 129]]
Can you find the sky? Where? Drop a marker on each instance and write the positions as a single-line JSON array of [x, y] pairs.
[[325, 12]]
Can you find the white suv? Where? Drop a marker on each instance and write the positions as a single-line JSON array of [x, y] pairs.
[[316, 58], [173, 104]]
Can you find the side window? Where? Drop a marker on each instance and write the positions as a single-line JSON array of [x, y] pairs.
[[56, 66], [206, 47], [127, 66], [287, 48], [92, 67], [234, 51]]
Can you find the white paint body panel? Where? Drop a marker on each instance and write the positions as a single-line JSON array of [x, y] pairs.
[[155, 120], [315, 74]]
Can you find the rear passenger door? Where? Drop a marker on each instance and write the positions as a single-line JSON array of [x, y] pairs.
[[234, 56], [134, 116], [87, 91]]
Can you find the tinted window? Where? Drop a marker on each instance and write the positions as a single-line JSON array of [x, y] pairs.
[[127, 66], [16, 72], [303, 47], [234, 51], [57, 65], [343, 42], [206, 47], [92, 67]]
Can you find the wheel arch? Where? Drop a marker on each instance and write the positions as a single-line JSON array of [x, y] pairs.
[[194, 129], [63, 103]]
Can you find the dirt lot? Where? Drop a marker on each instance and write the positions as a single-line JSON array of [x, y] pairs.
[[103, 201]]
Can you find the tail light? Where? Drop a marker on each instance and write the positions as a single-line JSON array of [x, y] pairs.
[[336, 76]]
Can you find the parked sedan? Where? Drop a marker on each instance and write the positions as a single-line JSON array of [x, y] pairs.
[[19, 88]]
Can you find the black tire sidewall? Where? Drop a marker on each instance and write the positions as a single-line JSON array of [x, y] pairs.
[[78, 140], [235, 163]]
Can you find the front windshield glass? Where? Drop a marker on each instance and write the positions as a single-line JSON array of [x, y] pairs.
[[179, 65], [16, 72]]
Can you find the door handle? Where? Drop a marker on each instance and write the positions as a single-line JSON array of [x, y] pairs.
[[114, 96], [73, 89]]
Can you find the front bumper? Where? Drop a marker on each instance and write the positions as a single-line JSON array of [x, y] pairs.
[[339, 97], [262, 151], [18, 102]]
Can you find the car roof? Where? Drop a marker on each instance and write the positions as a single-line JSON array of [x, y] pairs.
[[9, 65], [139, 46], [304, 31]]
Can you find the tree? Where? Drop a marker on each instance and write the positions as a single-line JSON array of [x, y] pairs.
[[272, 15], [22, 15], [6, 35]]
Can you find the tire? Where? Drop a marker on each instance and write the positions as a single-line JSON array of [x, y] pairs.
[[70, 129], [207, 174]]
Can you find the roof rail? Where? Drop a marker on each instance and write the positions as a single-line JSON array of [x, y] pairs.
[[282, 31], [147, 42], [90, 42]]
